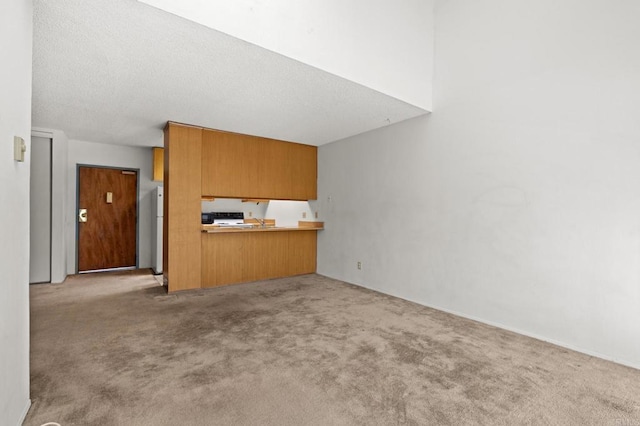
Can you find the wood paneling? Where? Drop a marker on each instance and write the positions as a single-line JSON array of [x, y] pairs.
[[222, 260], [273, 169], [108, 238], [183, 147], [265, 255], [303, 171], [230, 258], [243, 166], [310, 224], [229, 165], [158, 164], [302, 252], [204, 163]]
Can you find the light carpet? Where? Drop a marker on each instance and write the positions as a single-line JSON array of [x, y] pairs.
[[115, 349]]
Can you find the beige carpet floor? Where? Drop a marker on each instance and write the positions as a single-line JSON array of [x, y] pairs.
[[115, 349]]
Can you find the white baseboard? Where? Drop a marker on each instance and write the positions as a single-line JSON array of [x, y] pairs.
[[24, 412], [535, 336], [624, 362]]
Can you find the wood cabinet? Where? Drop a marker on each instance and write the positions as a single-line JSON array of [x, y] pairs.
[[182, 207], [273, 170], [222, 259], [158, 164], [229, 164], [302, 253], [209, 163], [266, 255], [242, 166], [303, 174], [251, 256]]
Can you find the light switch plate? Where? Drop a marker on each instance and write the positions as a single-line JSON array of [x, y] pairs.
[[19, 148], [109, 197]]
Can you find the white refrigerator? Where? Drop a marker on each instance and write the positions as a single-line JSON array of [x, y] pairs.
[[157, 212]]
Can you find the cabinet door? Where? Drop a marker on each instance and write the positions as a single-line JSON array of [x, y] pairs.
[[302, 252], [265, 255], [229, 165], [303, 171], [287, 171], [222, 259], [273, 169], [242, 166]]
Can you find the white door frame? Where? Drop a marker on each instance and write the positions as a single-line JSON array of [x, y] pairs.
[[40, 248], [59, 149]]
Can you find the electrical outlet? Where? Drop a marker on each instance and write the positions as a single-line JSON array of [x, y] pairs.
[[250, 214], [359, 265], [304, 215], [316, 215]]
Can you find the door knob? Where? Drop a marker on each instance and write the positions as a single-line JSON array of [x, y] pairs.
[[82, 215]]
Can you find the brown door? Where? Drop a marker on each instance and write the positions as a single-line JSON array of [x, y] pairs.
[[107, 210]]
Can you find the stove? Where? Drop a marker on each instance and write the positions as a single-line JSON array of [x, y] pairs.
[[225, 219]]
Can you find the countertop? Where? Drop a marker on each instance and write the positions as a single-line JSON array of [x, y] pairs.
[[302, 226]]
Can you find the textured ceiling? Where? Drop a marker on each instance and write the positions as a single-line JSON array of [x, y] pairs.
[[117, 71]]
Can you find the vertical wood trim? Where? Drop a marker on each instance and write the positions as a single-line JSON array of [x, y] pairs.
[[158, 164], [165, 207], [182, 182]]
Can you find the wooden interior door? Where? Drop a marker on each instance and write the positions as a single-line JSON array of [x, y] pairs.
[[108, 237]]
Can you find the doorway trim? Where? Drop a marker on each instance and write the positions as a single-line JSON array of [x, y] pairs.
[[49, 137], [60, 203], [130, 169]]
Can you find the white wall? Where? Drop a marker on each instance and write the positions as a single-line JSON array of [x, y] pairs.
[[517, 201], [382, 44], [97, 154], [288, 213], [16, 28]]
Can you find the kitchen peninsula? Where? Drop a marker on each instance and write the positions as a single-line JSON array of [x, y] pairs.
[[205, 163], [232, 255]]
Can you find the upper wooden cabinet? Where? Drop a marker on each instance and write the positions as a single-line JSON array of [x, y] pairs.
[[303, 160], [242, 166], [158, 164], [227, 160], [201, 163]]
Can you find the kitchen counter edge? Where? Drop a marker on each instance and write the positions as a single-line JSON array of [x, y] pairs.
[[216, 230]]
